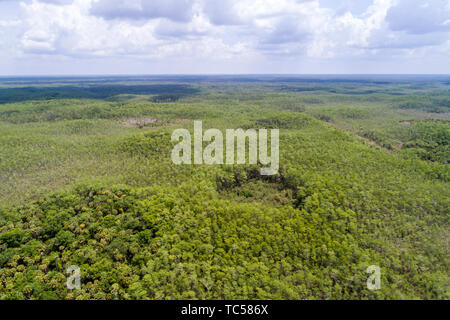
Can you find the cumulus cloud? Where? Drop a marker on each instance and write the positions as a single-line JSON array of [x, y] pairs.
[[412, 25], [176, 10], [419, 17], [58, 2], [257, 30], [222, 12], [9, 23], [71, 30]]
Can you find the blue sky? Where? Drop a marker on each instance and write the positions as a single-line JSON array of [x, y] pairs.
[[227, 36]]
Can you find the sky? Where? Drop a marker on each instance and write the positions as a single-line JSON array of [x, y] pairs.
[[69, 37]]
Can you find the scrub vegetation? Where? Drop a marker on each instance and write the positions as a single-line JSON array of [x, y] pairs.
[[86, 179]]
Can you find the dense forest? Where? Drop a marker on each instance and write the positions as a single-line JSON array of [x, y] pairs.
[[86, 179]]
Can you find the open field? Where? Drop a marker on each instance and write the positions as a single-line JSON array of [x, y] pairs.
[[86, 179]]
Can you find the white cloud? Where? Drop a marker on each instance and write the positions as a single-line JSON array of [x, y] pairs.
[[209, 30], [9, 23], [419, 16], [176, 10]]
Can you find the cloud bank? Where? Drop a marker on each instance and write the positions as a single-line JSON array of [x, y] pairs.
[[232, 35]]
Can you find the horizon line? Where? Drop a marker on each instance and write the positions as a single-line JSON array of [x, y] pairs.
[[222, 74]]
